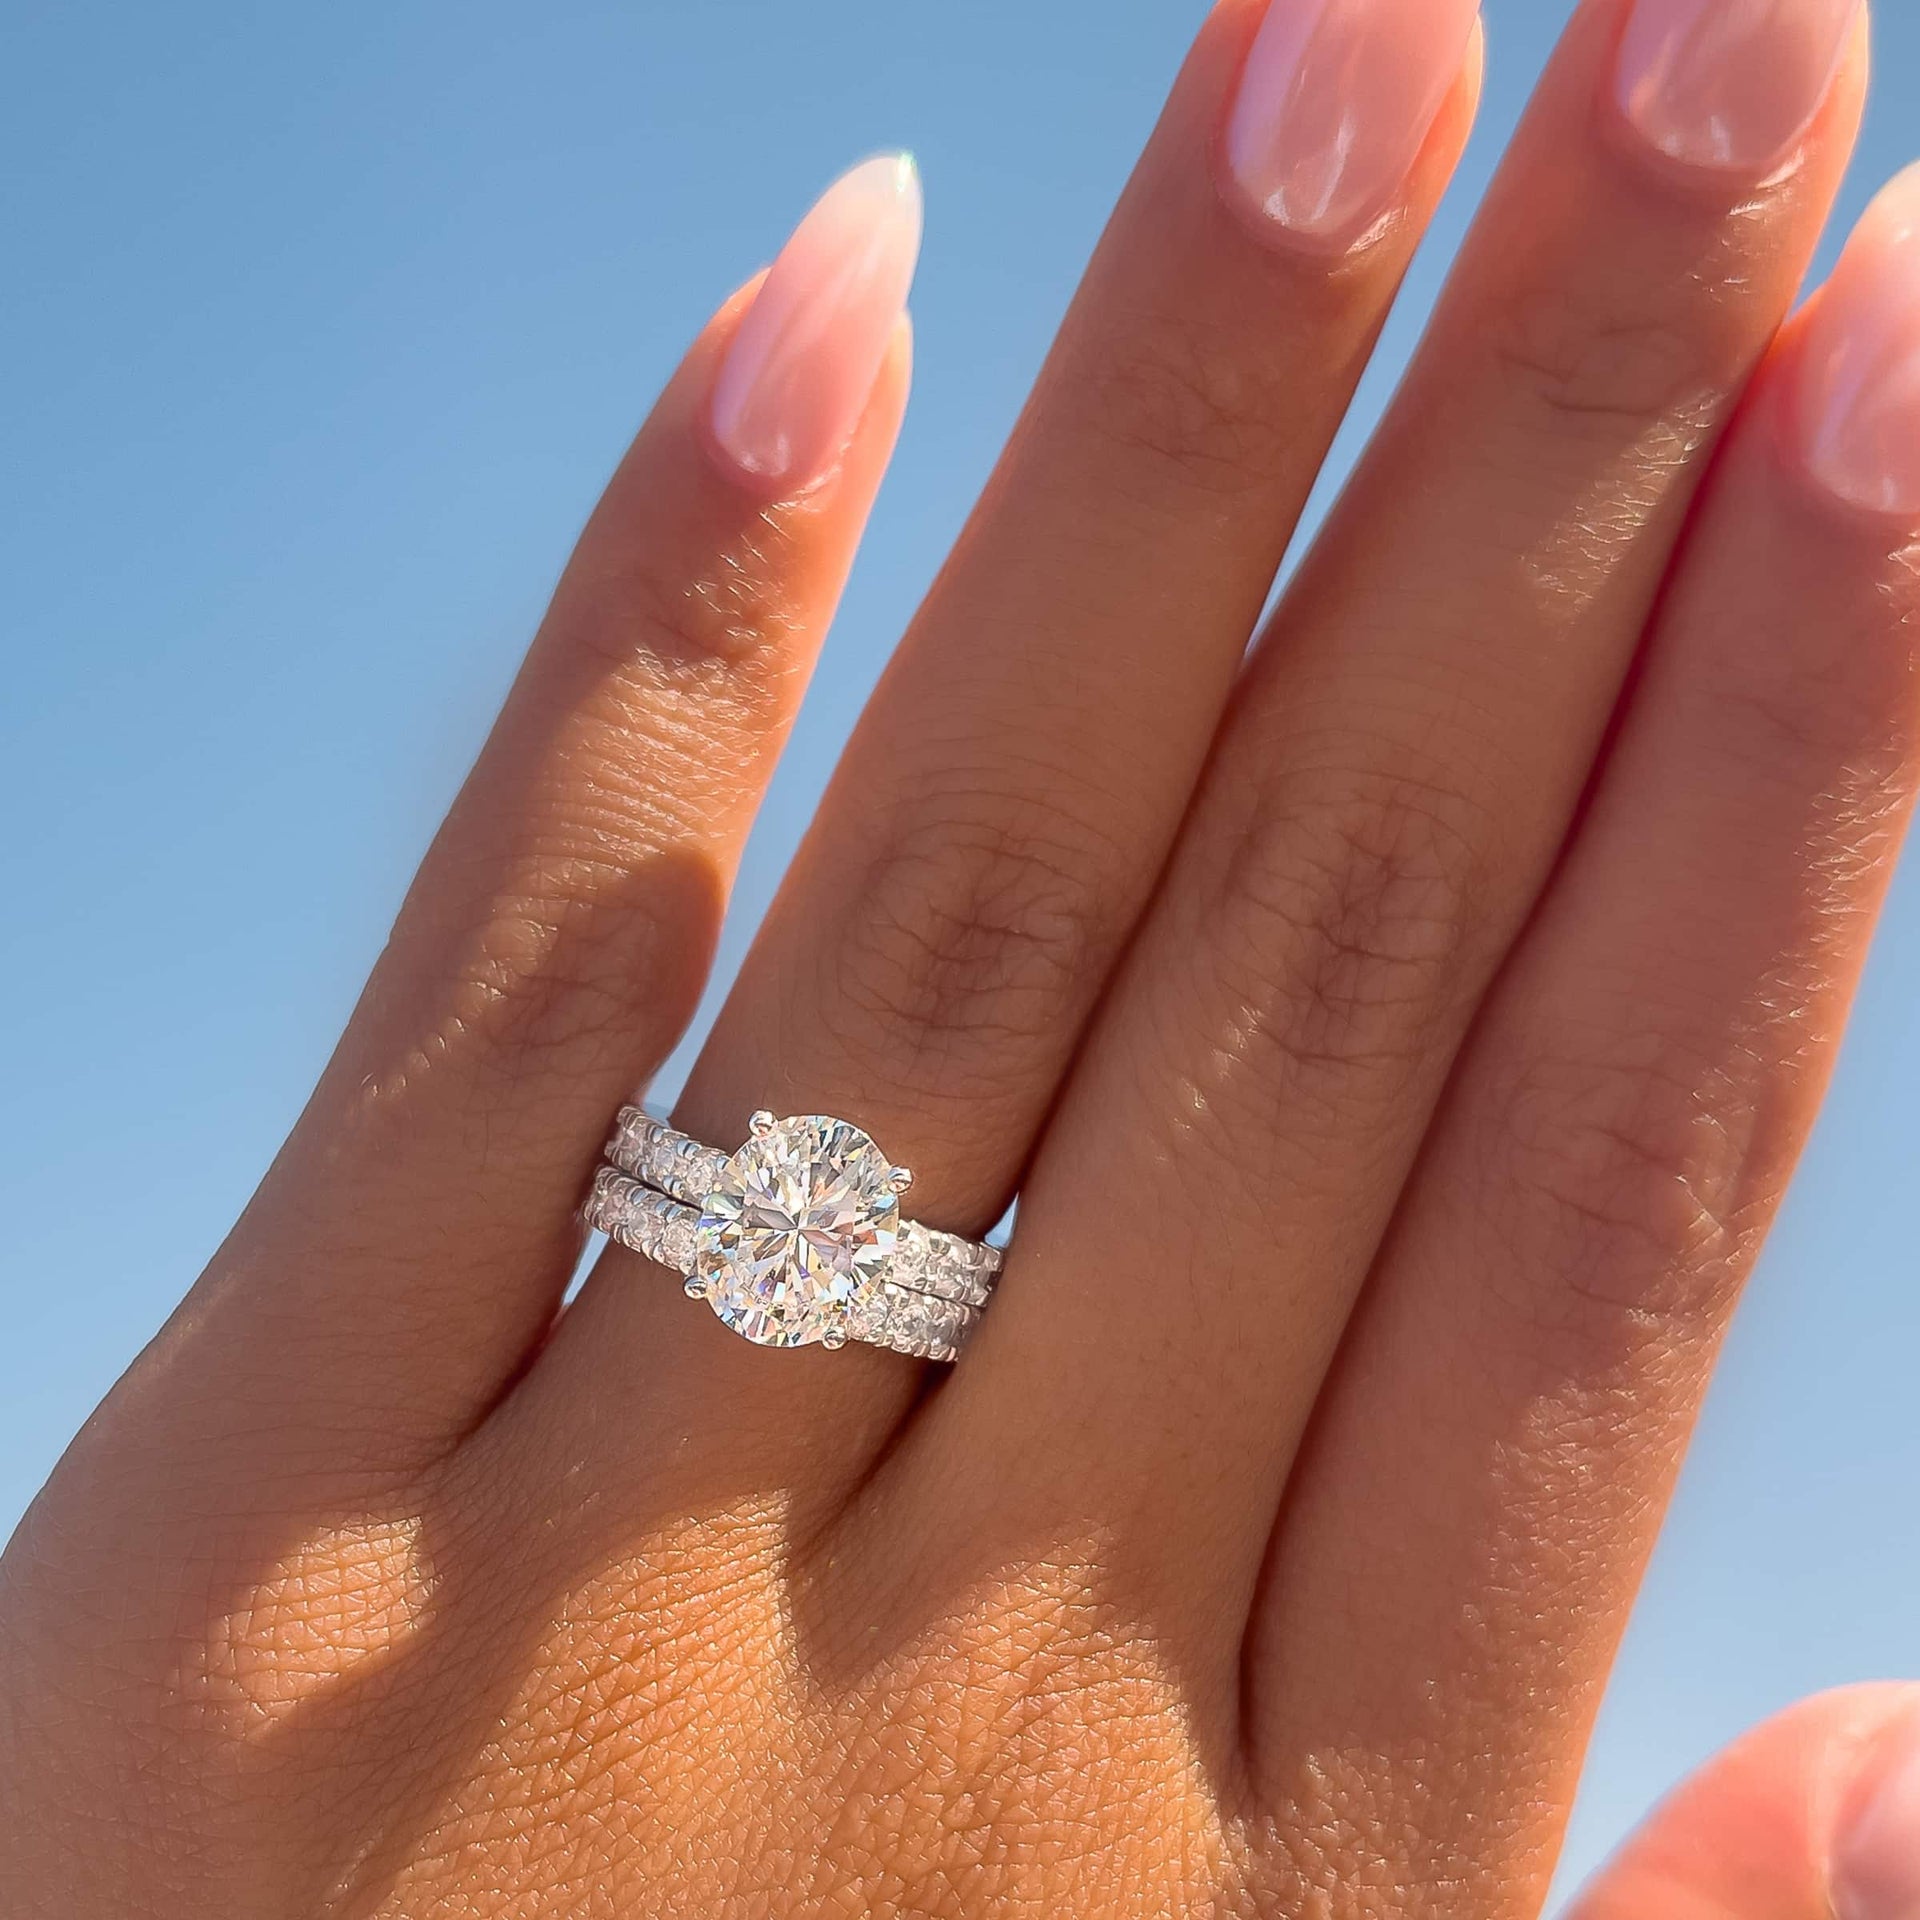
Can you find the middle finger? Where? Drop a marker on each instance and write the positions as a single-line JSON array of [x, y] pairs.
[[1389, 795]]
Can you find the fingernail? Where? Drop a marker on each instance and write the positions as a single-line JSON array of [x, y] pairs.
[[1876, 1860], [1857, 398], [1730, 84], [800, 370], [1335, 103]]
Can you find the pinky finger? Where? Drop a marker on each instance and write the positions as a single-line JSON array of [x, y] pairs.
[[1814, 1816]]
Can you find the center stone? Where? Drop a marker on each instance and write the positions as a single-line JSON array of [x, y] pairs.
[[797, 1235]]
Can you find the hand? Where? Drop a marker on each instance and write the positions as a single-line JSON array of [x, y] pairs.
[[1399, 1039]]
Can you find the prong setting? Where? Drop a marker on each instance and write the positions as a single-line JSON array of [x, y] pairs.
[[797, 1239]]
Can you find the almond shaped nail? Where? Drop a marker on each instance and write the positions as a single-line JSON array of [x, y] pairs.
[[1730, 85], [1875, 1872], [1336, 100], [1856, 402], [800, 370]]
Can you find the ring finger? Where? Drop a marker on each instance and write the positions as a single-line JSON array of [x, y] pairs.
[[1007, 802]]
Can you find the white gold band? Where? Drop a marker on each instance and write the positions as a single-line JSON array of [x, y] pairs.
[[926, 1260], [756, 1234], [921, 1325]]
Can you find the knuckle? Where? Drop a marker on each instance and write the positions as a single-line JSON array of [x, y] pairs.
[[1346, 911], [548, 977], [715, 631], [576, 908], [581, 952], [1580, 365], [1192, 404], [969, 934], [1806, 710], [1624, 1182]]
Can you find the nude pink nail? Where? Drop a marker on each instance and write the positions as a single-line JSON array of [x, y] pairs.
[[1335, 103], [1876, 1859], [801, 368], [1731, 85], [1856, 399]]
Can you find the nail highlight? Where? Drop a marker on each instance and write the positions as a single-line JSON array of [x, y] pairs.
[[1335, 103], [1857, 394], [1876, 1860], [801, 367], [1730, 85]]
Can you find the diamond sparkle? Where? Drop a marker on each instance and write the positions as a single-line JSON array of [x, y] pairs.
[[798, 1233]]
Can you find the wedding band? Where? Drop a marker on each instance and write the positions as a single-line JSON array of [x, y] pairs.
[[797, 1239]]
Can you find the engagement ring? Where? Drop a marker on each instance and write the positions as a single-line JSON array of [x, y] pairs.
[[797, 1239]]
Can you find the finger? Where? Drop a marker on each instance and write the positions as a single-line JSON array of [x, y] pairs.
[[1390, 793], [1492, 1458], [1814, 1816], [413, 1238], [1006, 803]]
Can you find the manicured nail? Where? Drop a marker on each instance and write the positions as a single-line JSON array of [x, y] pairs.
[[1876, 1859], [803, 361], [1856, 403], [1335, 103], [1730, 84]]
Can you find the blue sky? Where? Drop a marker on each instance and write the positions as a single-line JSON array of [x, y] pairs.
[[321, 329]]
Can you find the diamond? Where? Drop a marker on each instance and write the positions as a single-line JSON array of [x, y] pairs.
[[797, 1235], [675, 1236], [910, 1255], [912, 1317]]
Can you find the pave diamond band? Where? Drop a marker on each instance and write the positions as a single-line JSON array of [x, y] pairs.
[[795, 1240], [918, 1324], [654, 1154], [925, 1260]]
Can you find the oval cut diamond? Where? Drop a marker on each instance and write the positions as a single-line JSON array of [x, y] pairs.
[[797, 1236]]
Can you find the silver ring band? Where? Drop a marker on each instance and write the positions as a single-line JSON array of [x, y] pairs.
[[925, 1259], [918, 1324], [795, 1240]]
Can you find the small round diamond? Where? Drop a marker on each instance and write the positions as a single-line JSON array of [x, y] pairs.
[[798, 1232]]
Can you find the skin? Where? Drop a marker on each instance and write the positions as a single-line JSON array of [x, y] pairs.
[[1753, 1835], [1459, 973]]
